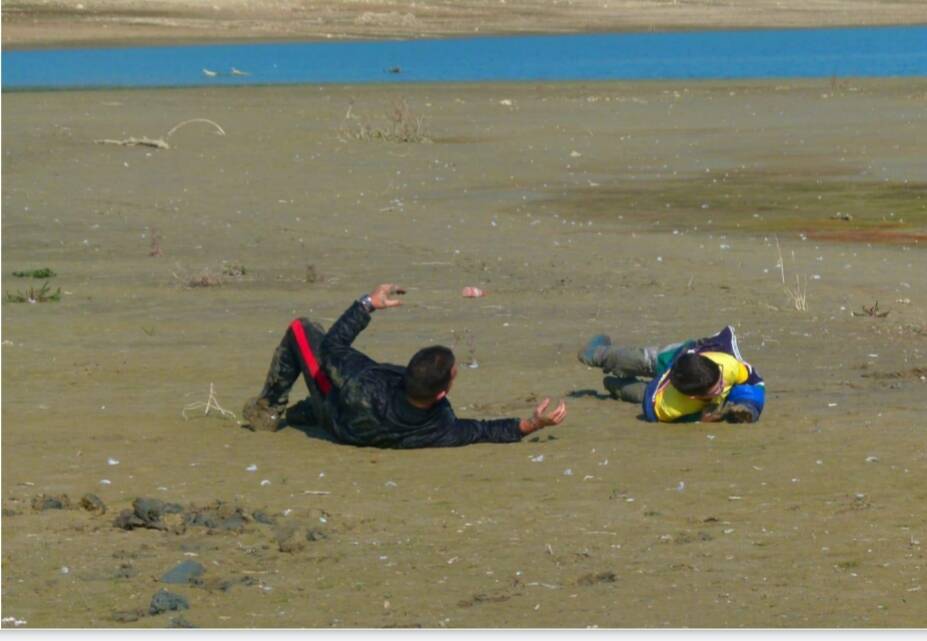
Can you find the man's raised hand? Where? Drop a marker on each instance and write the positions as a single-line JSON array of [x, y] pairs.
[[541, 420], [382, 295]]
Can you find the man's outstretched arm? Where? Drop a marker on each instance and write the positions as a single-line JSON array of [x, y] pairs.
[[352, 322], [465, 431]]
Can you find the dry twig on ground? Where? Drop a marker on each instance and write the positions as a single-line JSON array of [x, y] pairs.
[[157, 143], [211, 403]]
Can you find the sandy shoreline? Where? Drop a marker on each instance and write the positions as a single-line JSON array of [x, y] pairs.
[[646, 210], [42, 23]]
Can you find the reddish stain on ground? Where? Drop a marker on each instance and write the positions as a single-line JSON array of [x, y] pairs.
[[881, 236]]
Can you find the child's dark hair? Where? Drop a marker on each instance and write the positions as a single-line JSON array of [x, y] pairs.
[[429, 373], [694, 374]]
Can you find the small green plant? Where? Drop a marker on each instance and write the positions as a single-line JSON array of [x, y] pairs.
[[45, 272], [33, 295]]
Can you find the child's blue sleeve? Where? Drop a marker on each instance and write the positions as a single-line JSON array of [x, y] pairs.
[[752, 396]]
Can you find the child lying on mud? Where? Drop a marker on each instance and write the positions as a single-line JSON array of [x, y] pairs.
[[362, 402], [696, 380]]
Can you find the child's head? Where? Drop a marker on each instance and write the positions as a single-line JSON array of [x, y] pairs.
[[696, 375]]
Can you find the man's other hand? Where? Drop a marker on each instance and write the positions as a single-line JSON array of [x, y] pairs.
[[540, 420], [382, 295]]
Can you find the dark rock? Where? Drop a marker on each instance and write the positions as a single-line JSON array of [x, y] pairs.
[[42, 502], [184, 572], [146, 513], [8, 512], [180, 622], [165, 601], [152, 511], [262, 517], [127, 520], [92, 503], [217, 516]]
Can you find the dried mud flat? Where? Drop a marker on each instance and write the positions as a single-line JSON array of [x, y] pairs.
[[38, 23], [650, 211]]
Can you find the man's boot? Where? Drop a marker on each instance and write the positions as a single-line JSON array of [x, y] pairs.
[[261, 416]]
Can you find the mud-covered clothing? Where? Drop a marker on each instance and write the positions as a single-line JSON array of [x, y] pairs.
[[366, 404]]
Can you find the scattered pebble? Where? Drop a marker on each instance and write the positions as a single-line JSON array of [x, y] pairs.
[[265, 483], [568, 472], [681, 486], [872, 459], [112, 461], [537, 459], [391, 484], [251, 468], [42, 502]]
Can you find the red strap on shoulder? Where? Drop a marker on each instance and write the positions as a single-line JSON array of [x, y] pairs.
[[319, 376]]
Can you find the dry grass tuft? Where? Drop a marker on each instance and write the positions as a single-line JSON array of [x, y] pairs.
[[798, 295], [401, 126], [209, 277]]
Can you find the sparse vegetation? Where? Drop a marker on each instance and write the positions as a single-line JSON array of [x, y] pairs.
[[401, 126], [209, 277], [33, 295], [155, 249], [798, 295], [45, 272], [872, 311]]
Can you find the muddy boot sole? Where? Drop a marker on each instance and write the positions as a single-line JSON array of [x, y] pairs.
[[259, 416]]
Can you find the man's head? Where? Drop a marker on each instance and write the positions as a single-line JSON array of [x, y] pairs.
[[429, 375], [696, 375]]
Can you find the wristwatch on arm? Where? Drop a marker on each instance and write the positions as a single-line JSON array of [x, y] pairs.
[[367, 303]]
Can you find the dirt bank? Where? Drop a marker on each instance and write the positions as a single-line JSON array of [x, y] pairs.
[[650, 211], [31, 23]]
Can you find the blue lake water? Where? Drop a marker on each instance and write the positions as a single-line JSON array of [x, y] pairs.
[[782, 53]]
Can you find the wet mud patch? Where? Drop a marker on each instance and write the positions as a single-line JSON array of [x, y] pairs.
[[825, 207]]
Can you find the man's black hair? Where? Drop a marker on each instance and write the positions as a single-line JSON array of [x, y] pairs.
[[694, 374], [429, 373]]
